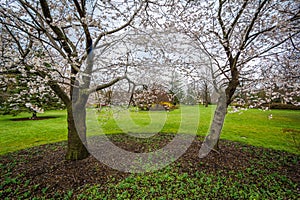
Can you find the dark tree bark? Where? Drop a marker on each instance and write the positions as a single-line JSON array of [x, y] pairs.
[[33, 115], [76, 137], [206, 94]]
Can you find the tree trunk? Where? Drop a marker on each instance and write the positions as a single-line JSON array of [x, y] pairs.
[[206, 100], [216, 147], [34, 116], [76, 135], [212, 139], [206, 95]]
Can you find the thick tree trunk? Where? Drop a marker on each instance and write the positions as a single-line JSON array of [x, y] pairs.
[[76, 135], [216, 147], [212, 139]]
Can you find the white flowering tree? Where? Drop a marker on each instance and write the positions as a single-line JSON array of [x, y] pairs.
[[26, 92], [235, 35], [153, 97], [55, 40], [277, 84], [23, 95]]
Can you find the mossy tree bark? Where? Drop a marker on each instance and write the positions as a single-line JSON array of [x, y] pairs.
[[76, 136]]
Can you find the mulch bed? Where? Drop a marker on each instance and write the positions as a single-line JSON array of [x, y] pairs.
[[45, 166]]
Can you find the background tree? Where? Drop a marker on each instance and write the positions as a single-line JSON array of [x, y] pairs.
[[153, 97], [26, 93], [177, 87], [234, 35], [277, 83], [66, 33], [191, 94], [205, 92], [204, 87]]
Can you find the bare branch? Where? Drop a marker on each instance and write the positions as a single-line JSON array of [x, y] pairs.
[[233, 24], [61, 36]]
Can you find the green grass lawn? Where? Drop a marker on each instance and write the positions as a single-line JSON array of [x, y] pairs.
[[255, 128], [241, 172], [252, 127], [16, 135]]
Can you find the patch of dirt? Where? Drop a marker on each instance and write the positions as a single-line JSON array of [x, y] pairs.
[[30, 118], [46, 168]]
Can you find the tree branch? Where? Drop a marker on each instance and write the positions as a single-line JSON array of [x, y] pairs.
[[237, 17], [249, 28], [119, 28], [106, 85], [61, 36], [270, 48]]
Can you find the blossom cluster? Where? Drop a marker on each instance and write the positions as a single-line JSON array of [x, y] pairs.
[[34, 108]]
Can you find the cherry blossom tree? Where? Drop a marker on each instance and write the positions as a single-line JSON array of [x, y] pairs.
[[55, 40], [65, 42], [277, 82], [153, 97], [23, 90], [21, 95], [235, 35]]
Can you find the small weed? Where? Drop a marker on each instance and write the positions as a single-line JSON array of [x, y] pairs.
[[68, 195], [44, 190]]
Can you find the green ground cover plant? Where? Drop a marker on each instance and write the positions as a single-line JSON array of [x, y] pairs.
[[169, 184], [238, 171]]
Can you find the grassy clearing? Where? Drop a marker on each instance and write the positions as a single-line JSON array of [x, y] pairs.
[[251, 127], [17, 135], [240, 172], [255, 128]]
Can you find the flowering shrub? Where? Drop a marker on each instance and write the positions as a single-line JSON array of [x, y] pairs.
[[155, 97]]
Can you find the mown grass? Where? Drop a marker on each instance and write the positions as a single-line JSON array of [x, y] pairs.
[[251, 127], [255, 128], [263, 178], [17, 135]]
